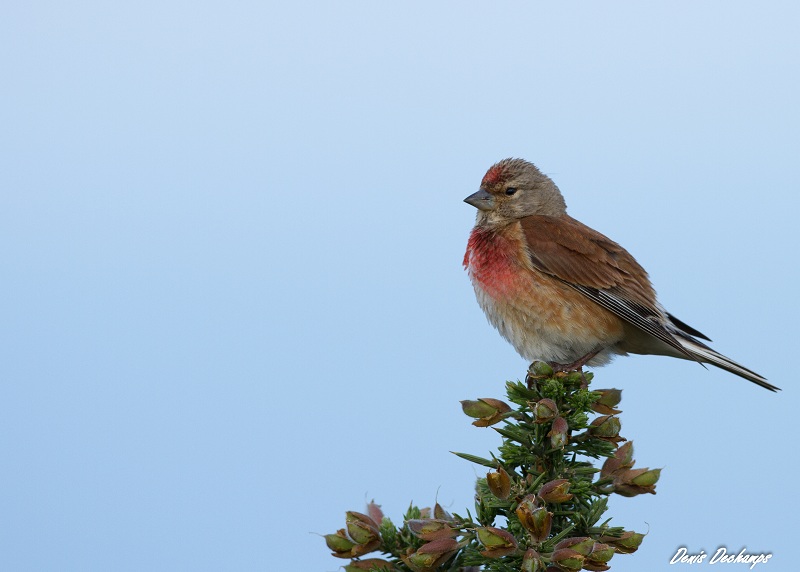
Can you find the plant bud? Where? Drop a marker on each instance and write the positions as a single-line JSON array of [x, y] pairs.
[[540, 369], [555, 491], [431, 555], [580, 544], [339, 544], [430, 528], [608, 400], [375, 513], [441, 514], [544, 410], [568, 559], [646, 479], [535, 519], [532, 562], [627, 543], [559, 433], [496, 541], [486, 411], [605, 426], [601, 553], [499, 483], [361, 528], [369, 564]]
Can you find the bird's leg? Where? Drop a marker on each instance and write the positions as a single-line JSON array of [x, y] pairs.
[[576, 365]]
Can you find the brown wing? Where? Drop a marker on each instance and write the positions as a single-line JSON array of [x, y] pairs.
[[597, 267]]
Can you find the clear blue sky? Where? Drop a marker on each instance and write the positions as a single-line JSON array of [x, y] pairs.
[[231, 237]]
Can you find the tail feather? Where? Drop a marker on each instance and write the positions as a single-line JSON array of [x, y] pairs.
[[705, 354]]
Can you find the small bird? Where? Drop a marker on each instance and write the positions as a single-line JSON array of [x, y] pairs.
[[560, 291]]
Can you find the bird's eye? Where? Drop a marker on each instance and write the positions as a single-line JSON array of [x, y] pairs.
[[510, 191]]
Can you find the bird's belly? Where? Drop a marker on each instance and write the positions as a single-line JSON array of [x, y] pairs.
[[545, 319]]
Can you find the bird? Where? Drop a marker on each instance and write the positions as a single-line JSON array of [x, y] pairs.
[[560, 291]]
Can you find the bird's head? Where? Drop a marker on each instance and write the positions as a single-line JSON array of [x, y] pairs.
[[513, 189]]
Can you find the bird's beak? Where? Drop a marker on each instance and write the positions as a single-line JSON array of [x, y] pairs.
[[481, 200]]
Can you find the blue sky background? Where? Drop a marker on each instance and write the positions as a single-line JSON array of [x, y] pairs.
[[231, 237]]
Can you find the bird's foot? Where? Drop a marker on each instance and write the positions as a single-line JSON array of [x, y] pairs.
[[541, 369]]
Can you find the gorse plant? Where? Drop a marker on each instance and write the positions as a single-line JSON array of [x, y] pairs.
[[540, 506]]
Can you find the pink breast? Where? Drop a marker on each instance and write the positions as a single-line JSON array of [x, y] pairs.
[[492, 262]]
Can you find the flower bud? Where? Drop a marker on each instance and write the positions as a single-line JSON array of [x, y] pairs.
[[339, 544], [580, 544], [606, 427], [608, 400], [647, 478], [626, 544], [430, 528], [499, 483], [532, 562], [601, 553], [535, 519], [568, 559], [431, 555], [559, 433], [632, 482], [496, 541], [540, 369], [544, 410], [486, 411], [368, 564], [555, 491], [361, 528]]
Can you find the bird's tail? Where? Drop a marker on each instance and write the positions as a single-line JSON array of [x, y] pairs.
[[705, 354]]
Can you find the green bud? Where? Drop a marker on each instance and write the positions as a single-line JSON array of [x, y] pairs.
[[601, 553], [369, 564], [540, 369], [496, 541], [555, 491], [532, 562], [339, 544], [361, 528], [607, 401], [605, 426], [568, 559], [559, 433], [499, 483], [580, 544], [430, 528], [544, 410], [628, 543], [486, 411], [646, 479]]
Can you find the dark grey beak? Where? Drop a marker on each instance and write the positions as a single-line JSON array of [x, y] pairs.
[[481, 200]]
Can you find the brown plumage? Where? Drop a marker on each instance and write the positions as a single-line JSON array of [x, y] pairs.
[[561, 291]]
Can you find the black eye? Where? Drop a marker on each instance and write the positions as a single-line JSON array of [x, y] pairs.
[[510, 191]]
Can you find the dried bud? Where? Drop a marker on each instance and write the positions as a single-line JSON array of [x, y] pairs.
[[608, 400], [339, 544], [441, 514], [374, 511], [622, 459], [626, 544], [559, 434], [568, 559], [540, 369], [430, 528], [544, 410], [555, 491], [486, 411], [532, 562], [499, 483], [606, 427], [361, 528], [580, 544], [535, 519], [497, 542]]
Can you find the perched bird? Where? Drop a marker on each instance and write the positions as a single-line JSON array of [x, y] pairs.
[[560, 291]]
